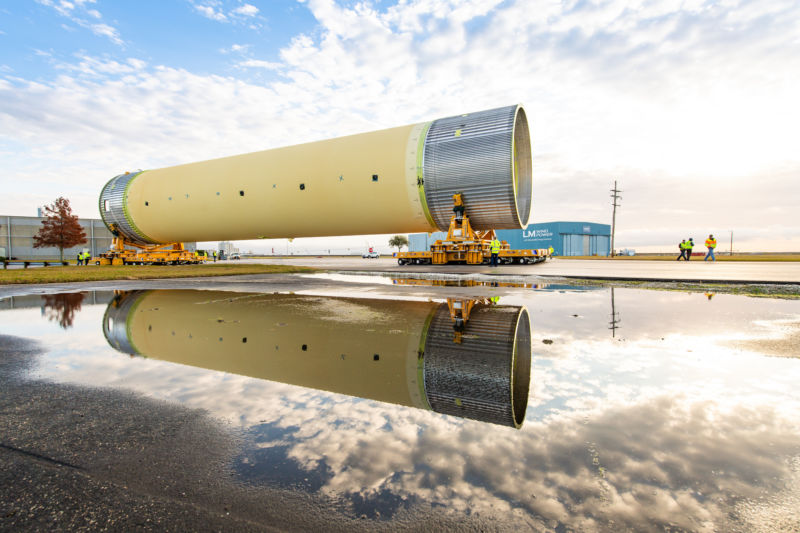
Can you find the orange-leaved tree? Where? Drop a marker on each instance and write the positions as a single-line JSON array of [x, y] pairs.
[[60, 228]]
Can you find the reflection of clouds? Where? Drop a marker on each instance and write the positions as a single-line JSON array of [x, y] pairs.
[[665, 461], [637, 434]]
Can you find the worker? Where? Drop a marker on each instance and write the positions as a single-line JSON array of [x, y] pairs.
[[711, 243], [215, 256], [682, 248], [689, 246], [495, 244], [85, 256], [79, 260]]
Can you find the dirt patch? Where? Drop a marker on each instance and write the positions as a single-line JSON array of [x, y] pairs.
[[786, 346]]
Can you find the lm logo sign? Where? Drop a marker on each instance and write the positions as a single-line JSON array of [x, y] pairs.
[[536, 234]]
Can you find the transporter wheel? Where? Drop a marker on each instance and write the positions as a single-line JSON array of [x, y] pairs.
[[401, 262]]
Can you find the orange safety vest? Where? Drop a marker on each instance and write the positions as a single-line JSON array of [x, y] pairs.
[[711, 243]]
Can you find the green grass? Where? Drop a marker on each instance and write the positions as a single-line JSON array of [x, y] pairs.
[[102, 273], [672, 257]]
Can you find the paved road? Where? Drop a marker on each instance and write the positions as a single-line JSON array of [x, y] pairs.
[[742, 272]]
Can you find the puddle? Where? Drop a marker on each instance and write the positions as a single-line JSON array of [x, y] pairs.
[[538, 406]]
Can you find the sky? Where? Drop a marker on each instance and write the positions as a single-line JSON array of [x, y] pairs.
[[690, 106]]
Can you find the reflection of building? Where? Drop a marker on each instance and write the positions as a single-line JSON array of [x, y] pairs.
[[402, 352], [33, 301], [566, 238], [16, 236]]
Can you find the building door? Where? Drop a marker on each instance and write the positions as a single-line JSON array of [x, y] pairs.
[[586, 245]]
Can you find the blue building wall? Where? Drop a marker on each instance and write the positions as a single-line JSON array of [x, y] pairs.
[[566, 238]]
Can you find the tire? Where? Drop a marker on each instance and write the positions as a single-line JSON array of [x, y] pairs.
[[401, 262]]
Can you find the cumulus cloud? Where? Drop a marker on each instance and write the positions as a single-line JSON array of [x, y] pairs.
[[247, 10], [690, 107]]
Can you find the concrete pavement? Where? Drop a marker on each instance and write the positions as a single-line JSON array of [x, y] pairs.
[[695, 271]]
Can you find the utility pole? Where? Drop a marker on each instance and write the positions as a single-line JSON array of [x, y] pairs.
[[614, 197]]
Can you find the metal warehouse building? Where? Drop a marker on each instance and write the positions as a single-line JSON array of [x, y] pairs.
[[16, 236], [566, 238]]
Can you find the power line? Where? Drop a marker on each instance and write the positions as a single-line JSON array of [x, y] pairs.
[[614, 197]]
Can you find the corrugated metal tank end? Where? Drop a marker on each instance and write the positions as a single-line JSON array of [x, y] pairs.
[[487, 157], [399, 180]]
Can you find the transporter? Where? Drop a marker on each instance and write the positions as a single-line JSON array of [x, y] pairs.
[[469, 358], [398, 180], [466, 245]]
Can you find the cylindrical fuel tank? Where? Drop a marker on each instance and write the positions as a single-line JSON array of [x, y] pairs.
[[401, 352], [390, 181]]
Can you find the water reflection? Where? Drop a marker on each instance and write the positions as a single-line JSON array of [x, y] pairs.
[[467, 358], [666, 426], [61, 308]]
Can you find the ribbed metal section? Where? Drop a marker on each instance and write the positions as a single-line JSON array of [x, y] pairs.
[[112, 208], [480, 155], [481, 378], [115, 321]]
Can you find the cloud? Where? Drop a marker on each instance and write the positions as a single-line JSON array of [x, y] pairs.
[[257, 63], [68, 10], [246, 10], [236, 48], [691, 107], [216, 10], [210, 11]]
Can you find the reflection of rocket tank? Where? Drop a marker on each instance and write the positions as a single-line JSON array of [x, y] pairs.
[[396, 180], [401, 352]]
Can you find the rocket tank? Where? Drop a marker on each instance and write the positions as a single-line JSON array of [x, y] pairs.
[[394, 351], [398, 180]]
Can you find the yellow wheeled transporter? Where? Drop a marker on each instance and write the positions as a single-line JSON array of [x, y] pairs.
[[463, 244], [124, 252]]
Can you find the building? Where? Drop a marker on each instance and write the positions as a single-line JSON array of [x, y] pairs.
[[566, 238], [16, 237], [226, 248]]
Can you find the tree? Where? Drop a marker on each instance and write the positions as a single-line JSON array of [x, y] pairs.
[[60, 228], [398, 241]]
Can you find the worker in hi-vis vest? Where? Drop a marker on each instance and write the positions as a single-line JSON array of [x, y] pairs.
[[711, 243], [682, 248], [495, 244]]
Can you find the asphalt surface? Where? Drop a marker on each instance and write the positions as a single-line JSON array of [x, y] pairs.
[[76, 459], [695, 270]]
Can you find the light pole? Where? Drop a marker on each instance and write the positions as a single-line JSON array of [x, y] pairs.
[[731, 242]]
